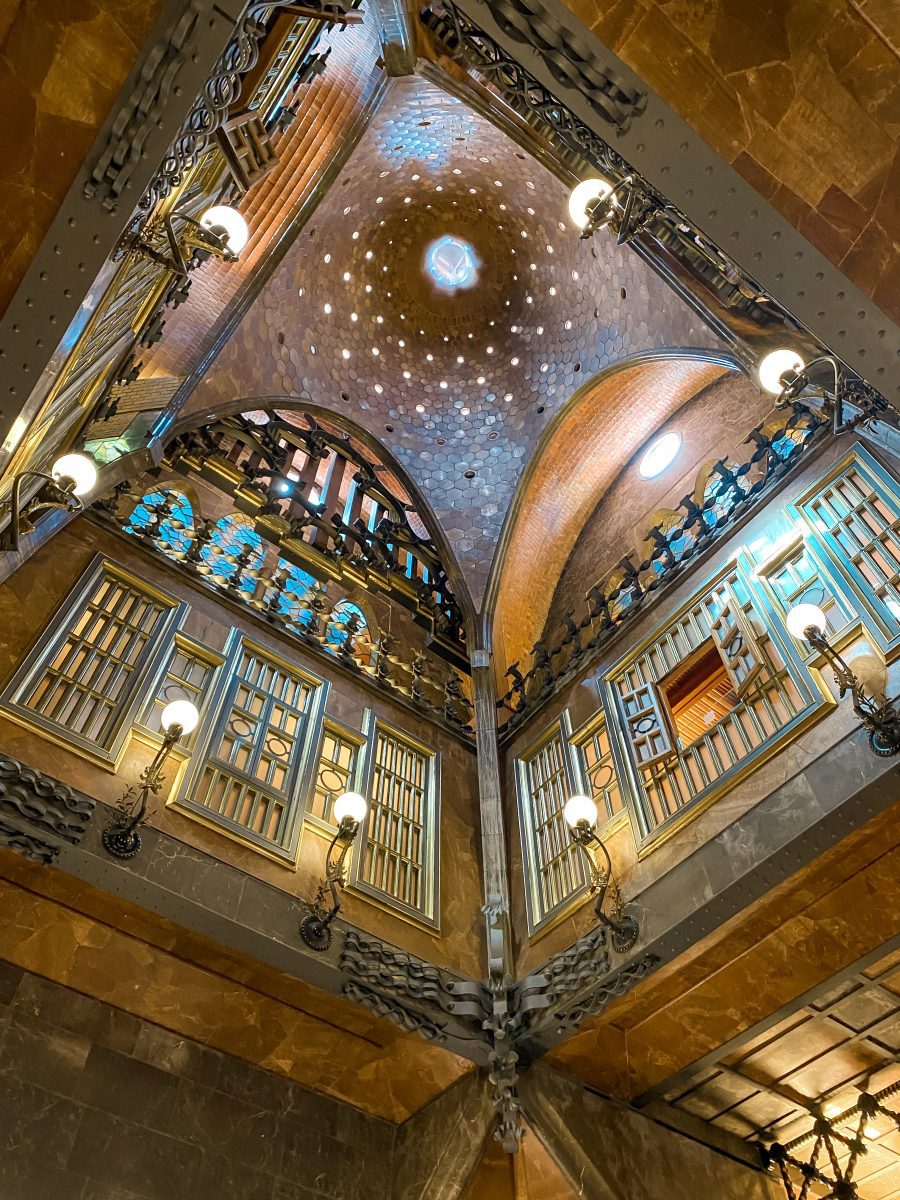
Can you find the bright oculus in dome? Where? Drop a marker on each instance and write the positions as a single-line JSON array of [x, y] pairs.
[[452, 263]]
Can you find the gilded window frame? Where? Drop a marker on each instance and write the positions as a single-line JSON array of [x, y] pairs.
[[429, 915], [143, 678], [540, 919]]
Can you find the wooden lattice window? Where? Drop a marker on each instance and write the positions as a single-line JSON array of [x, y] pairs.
[[189, 674], [254, 745], [398, 860], [711, 695], [84, 678], [336, 771], [554, 866], [594, 750], [797, 579], [857, 516]]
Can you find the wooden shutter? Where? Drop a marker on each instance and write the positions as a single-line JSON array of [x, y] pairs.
[[736, 642], [646, 724]]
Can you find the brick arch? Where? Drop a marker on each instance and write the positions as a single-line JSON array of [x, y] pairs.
[[591, 441]]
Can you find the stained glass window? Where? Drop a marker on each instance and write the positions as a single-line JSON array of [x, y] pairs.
[[166, 517], [232, 536]]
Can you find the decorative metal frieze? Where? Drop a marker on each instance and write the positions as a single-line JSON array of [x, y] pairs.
[[221, 91], [828, 1167], [613, 99], [393, 973], [732, 491], [399, 1014], [597, 997], [115, 165], [38, 815]]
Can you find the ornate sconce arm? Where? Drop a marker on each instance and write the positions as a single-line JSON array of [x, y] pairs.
[[121, 838], [623, 928], [882, 720], [71, 476], [315, 928]]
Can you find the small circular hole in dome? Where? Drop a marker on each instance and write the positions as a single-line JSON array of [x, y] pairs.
[[452, 263]]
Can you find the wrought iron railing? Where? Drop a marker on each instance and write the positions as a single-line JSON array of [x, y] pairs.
[[310, 615], [734, 489]]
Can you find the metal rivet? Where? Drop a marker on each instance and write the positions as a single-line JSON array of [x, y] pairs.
[[43, 275]]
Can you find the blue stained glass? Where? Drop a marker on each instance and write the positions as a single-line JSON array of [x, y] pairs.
[[452, 263], [173, 533], [230, 537], [296, 586]]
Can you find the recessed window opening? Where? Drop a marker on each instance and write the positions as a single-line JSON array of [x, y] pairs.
[[699, 693]]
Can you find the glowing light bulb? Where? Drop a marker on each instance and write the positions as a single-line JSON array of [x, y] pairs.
[[79, 469], [774, 365], [584, 194], [578, 809], [802, 616], [223, 219], [180, 712], [350, 805]]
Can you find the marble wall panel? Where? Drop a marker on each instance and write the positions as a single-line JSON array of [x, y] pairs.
[[27, 604], [101, 1105], [61, 67], [802, 97], [299, 1034]]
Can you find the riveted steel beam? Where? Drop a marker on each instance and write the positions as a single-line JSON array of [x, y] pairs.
[[71, 268], [558, 50]]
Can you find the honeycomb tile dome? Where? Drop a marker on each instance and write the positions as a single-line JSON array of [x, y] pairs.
[[457, 381]]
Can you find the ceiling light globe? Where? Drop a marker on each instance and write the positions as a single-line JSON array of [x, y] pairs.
[[350, 805], [180, 712], [584, 194], [774, 365], [578, 809], [77, 467], [659, 455], [801, 616], [222, 217]]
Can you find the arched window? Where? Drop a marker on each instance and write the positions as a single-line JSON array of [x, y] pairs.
[[668, 522], [293, 600], [719, 495], [165, 517], [346, 617], [232, 537]]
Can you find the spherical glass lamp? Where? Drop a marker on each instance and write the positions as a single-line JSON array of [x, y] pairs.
[[578, 809], [802, 616], [180, 712], [774, 365], [583, 195], [79, 469], [226, 221], [350, 805]]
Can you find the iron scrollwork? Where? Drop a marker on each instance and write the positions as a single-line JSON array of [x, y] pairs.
[[38, 815]]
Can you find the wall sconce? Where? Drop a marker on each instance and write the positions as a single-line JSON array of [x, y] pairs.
[[121, 837], [785, 374], [71, 477], [221, 231], [350, 810], [580, 814], [881, 720], [596, 204]]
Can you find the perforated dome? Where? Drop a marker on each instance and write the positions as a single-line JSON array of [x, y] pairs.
[[459, 382]]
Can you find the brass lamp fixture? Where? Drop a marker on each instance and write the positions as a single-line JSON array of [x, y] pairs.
[[71, 477], [580, 814], [597, 204], [350, 810], [121, 837], [221, 232], [786, 375], [882, 720]]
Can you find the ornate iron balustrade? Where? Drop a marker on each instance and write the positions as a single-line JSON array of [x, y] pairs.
[[733, 490], [321, 623], [828, 1168], [315, 494]]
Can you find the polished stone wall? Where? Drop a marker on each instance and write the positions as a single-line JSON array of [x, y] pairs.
[[28, 602], [100, 1105]]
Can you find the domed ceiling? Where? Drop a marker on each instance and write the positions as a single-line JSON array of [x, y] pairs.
[[458, 381]]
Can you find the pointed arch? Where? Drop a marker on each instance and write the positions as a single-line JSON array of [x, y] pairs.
[[587, 445]]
